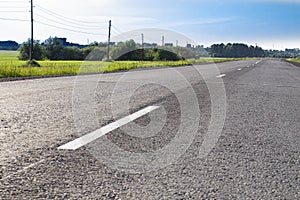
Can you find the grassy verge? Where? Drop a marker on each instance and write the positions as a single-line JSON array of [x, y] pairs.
[[48, 68], [217, 60], [10, 66], [294, 61]]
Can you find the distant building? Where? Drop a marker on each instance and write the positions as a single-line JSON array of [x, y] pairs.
[[70, 44], [111, 44], [189, 46], [150, 45], [296, 50], [169, 44]]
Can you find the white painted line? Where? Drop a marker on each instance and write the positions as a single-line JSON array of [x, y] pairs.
[[239, 69], [222, 75], [258, 62], [79, 142], [30, 166], [24, 169]]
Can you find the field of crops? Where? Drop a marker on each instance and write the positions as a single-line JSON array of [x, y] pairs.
[[10, 66]]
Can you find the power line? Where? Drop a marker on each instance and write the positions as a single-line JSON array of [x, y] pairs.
[[57, 15], [11, 1], [13, 11], [11, 19], [13, 7], [72, 26], [119, 33], [67, 29], [118, 30]]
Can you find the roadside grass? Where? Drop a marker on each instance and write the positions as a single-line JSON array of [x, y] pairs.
[[48, 68], [10, 66], [217, 60], [296, 60]]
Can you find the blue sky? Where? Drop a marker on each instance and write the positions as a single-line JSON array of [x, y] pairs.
[[267, 23]]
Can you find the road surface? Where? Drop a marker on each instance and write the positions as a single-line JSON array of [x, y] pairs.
[[235, 133]]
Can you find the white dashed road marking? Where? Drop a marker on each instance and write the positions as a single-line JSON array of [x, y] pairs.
[[79, 142], [222, 75]]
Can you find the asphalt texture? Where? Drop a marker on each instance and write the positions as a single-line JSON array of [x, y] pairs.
[[255, 156]]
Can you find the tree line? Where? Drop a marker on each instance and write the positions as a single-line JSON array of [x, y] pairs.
[[54, 49], [9, 45], [236, 50]]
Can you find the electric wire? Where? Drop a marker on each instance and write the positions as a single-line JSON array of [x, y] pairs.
[[71, 20], [12, 19], [68, 25], [12, 1], [67, 29]]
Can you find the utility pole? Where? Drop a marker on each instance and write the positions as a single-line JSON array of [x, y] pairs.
[[142, 46], [31, 43], [163, 41], [108, 43]]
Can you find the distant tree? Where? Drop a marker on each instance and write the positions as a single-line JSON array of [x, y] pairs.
[[237, 50], [123, 48], [72, 53], [25, 51], [183, 52], [54, 48], [217, 50], [9, 45], [165, 55], [94, 53]]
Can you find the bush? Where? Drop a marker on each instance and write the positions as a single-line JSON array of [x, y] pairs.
[[165, 55], [94, 53], [25, 51]]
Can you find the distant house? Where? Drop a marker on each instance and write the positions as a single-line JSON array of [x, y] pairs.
[[169, 44], [189, 46], [70, 44], [150, 45], [9, 45]]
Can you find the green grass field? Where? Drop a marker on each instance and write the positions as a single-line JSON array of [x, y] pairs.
[[297, 60], [10, 66]]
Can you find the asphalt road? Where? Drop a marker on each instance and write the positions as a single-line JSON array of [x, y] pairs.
[[225, 131]]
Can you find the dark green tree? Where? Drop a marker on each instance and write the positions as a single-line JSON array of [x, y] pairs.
[[25, 50], [54, 48], [94, 53], [72, 53], [165, 55], [122, 48], [237, 50]]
